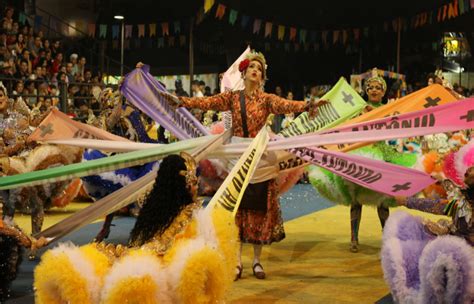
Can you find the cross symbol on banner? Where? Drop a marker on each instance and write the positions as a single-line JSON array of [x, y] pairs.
[[405, 186], [48, 129], [348, 98], [431, 102], [469, 116]]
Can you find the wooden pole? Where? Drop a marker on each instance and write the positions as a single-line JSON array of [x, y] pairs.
[[399, 31], [191, 57]]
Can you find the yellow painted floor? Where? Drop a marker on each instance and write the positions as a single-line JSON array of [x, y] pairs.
[[312, 265]]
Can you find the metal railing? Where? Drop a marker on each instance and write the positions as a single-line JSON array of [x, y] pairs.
[[66, 101]]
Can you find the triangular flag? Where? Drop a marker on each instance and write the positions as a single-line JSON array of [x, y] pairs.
[[281, 32], [313, 36], [324, 36], [208, 5], [141, 30], [38, 21], [303, 35], [182, 40], [152, 29], [287, 46], [268, 29], [115, 44], [233, 16], [256, 26], [171, 40], [395, 25], [356, 34], [220, 11], [115, 31], [22, 18], [267, 46], [136, 41], [165, 28], [90, 29], [297, 47], [292, 33], [103, 31], [461, 7], [128, 31], [344, 37], [452, 10], [335, 36], [366, 32], [127, 44], [245, 20], [445, 12], [177, 27], [161, 42]]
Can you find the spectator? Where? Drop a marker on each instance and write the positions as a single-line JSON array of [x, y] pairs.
[[81, 66], [73, 60], [57, 62], [7, 21], [31, 90], [46, 45], [19, 45], [35, 45], [278, 91], [179, 88], [196, 89], [25, 55], [22, 72], [313, 94], [289, 95], [87, 76], [207, 91], [69, 72], [202, 86], [56, 48]]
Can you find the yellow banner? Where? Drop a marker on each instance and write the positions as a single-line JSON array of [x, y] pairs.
[[230, 193]]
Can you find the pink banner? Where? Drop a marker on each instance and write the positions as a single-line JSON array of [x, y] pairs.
[[376, 175], [58, 125], [453, 114]]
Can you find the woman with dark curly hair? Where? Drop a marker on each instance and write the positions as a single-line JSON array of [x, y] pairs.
[[178, 252], [163, 203]]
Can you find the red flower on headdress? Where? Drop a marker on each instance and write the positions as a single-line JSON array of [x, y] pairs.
[[244, 65]]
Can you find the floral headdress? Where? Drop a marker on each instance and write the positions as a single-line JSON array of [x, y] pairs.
[[376, 78], [254, 56], [190, 173]]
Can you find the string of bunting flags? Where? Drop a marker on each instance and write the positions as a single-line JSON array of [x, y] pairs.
[[259, 26]]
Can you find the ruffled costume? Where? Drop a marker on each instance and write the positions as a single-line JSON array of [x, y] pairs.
[[191, 262]]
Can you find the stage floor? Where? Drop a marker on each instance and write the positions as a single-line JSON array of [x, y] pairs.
[[312, 264]]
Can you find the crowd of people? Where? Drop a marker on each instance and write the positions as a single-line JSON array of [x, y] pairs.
[[38, 72]]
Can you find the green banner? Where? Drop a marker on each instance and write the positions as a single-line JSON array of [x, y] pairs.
[[97, 166], [344, 103]]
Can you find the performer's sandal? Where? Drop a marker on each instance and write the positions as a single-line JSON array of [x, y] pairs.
[[258, 274], [239, 269]]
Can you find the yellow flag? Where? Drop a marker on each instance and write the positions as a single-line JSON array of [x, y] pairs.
[[230, 193], [208, 5]]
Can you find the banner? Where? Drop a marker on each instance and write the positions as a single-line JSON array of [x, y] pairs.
[[428, 97], [376, 175], [232, 79], [58, 125], [120, 198], [230, 193], [147, 94], [97, 166], [343, 104]]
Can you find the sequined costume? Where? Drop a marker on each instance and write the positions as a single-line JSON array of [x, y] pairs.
[[123, 120], [257, 227], [190, 260]]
